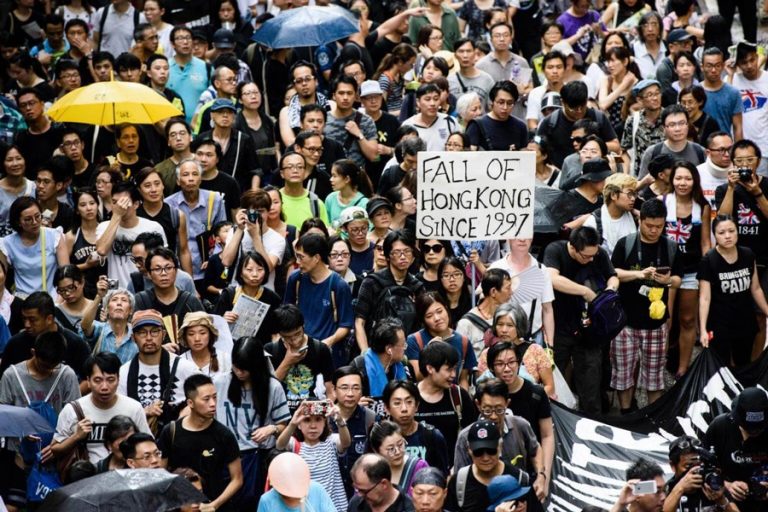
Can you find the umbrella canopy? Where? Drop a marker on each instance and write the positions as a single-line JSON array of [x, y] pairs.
[[111, 103], [147, 490], [307, 26], [21, 422]]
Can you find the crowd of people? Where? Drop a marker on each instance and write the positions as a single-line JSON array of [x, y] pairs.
[[238, 294]]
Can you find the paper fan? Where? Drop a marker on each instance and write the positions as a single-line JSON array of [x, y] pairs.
[[527, 285]]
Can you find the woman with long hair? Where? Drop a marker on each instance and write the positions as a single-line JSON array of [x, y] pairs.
[[468, 107], [81, 239], [387, 440], [153, 207], [404, 204], [252, 405], [35, 252], [597, 70], [433, 252], [252, 274], [198, 338], [393, 67], [727, 320], [228, 16], [547, 173], [649, 47], [700, 124], [616, 87], [252, 120], [13, 184], [351, 187], [69, 282], [688, 220], [154, 10], [454, 288]]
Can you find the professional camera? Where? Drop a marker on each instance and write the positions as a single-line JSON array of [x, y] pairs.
[[708, 468], [745, 174], [756, 490]]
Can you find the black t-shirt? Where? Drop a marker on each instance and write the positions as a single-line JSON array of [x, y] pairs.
[[402, 504], [227, 185], [429, 444], [475, 493], [83, 179], [500, 135], [749, 219], [558, 129], [595, 274], [130, 170], [739, 460], [442, 415], [19, 348], [319, 181], [731, 310], [38, 148], [239, 159], [208, 452], [390, 178], [301, 380], [531, 403], [386, 135], [634, 294], [694, 502], [64, 217]]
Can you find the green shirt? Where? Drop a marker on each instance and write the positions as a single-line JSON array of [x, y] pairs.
[[449, 24]]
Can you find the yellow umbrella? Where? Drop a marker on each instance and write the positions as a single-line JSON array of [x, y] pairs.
[[111, 103]]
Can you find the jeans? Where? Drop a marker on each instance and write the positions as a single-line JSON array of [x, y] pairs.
[[587, 369]]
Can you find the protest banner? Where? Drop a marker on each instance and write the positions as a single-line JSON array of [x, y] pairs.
[[475, 195]]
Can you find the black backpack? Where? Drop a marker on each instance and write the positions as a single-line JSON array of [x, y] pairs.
[[394, 301]]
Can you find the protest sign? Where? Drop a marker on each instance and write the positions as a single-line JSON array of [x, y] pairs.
[[475, 195]]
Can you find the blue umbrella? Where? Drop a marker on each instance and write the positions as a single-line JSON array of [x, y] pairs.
[[21, 422], [307, 26]]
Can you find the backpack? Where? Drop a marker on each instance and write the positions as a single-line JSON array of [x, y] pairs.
[[461, 484], [485, 142], [394, 301], [462, 356], [477, 321], [44, 409], [313, 201], [607, 317]]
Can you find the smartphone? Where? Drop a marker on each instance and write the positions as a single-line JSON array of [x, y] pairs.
[[645, 487], [319, 408], [663, 270], [303, 349]]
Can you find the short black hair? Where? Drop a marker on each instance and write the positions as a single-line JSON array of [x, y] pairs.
[[494, 279], [314, 244], [384, 333], [437, 355], [126, 186], [150, 240], [346, 371], [643, 469], [77, 22], [398, 235], [128, 447], [176, 120], [461, 42], [343, 79], [207, 141], [712, 136], [669, 110], [41, 301], [155, 56], [552, 56], [60, 167], [127, 60], [161, 252], [311, 107], [288, 317], [193, 382], [426, 89], [103, 56], [584, 236], [107, 362], [506, 86], [17, 206], [744, 144], [394, 385], [491, 387], [50, 347], [653, 209], [574, 93]]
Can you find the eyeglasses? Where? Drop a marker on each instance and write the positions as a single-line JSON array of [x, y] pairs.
[[28, 104], [69, 76], [357, 231], [452, 276], [490, 411], [250, 93], [722, 151], [505, 364], [157, 454], [745, 160], [629, 194], [436, 248], [364, 492], [32, 220], [183, 38], [586, 257], [346, 389], [435, 38], [379, 248], [399, 253], [313, 149], [143, 333], [679, 124], [66, 289], [398, 447], [293, 167], [135, 259], [70, 143], [303, 80], [650, 96], [163, 270], [230, 80], [337, 255]]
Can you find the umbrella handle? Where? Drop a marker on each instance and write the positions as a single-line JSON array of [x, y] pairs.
[[474, 283]]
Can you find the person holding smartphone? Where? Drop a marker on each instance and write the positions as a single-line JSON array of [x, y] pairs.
[[648, 265]]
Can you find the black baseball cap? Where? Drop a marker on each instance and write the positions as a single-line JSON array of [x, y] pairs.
[[483, 434], [750, 410]]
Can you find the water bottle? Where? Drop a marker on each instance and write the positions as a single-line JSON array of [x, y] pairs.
[[515, 70]]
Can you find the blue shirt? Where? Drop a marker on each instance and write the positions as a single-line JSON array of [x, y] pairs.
[[326, 305], [104, 332], [189, 82], [197, 221], [723, 104], [467, 358], [317, 500]]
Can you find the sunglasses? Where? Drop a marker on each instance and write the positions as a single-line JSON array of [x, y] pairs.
[[484, 451], [437, 248]]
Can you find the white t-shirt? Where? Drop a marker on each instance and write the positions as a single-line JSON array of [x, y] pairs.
[[754, 96], [224, 359], [67, 424], [435, 135], [547, 294], [613, 229], [534, 102], [712, 177], [120, 266], [149, 381]]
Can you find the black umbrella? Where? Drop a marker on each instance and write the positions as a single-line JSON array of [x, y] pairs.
[[552, 208], [145, 490]]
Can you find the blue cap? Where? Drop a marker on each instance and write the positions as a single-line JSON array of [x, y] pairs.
[[221, 104], [642, 85], [504, 488]]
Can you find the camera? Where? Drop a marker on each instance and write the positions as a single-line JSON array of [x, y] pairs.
[[112, 284], [756, 489], [253, 216], [745, 174], [708, 468]]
